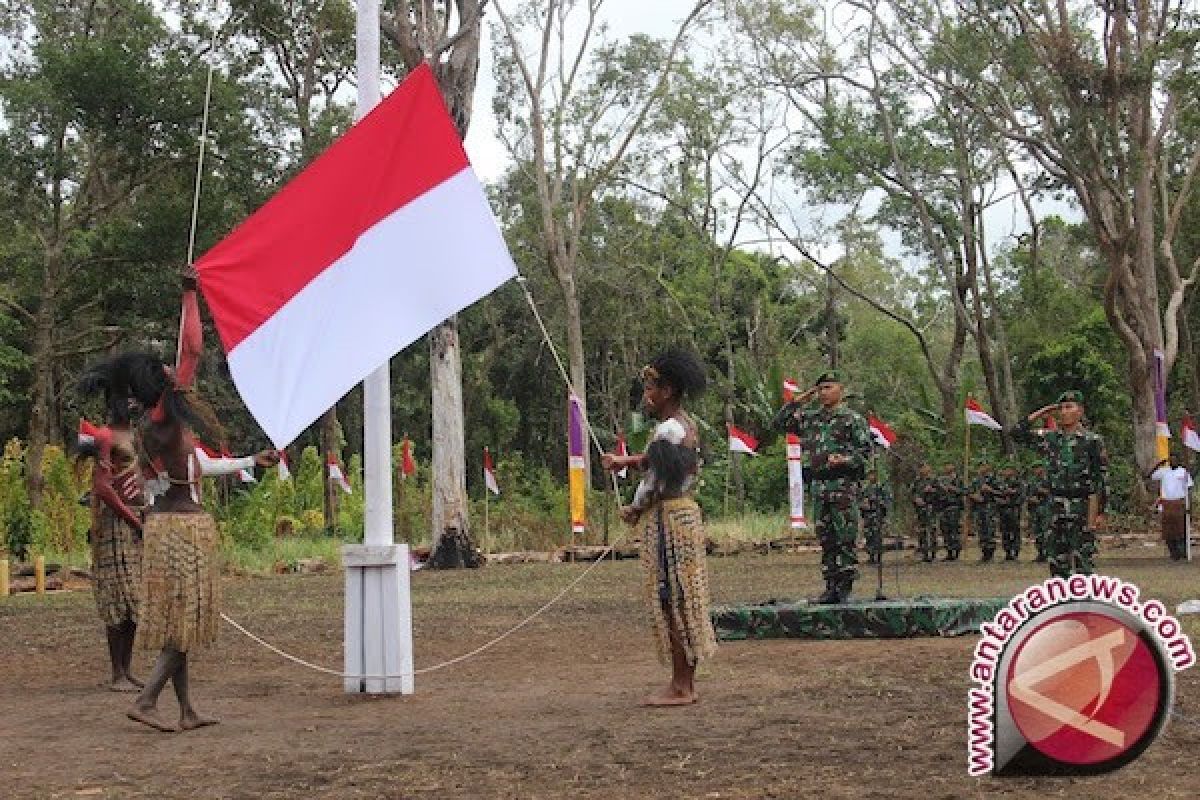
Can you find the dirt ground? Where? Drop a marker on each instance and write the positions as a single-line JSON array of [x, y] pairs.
[[551, 712]]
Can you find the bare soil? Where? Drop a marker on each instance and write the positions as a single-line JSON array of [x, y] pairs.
[[552, 711]]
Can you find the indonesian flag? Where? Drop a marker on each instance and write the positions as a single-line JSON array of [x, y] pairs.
[[622, 450], [381, 238], [336, 475], [741, 442], [285, 472], [1191, 439], [884, 436], [407, 465], [244, 475], [88, 433], [790, 389], [977, 416], [489, 473]]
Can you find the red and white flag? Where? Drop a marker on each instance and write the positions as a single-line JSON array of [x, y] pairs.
[[741, 442], [489, 473], [622, 450], [1191, 439], [790, 389], [337, 476], [884, 436], [88, 433], [244, 475], [381, 238], [977, 416], [407, 466], [285, 472]]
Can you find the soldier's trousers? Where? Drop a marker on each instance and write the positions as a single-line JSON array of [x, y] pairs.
[[951, 522], [1070, 545], [873, 533], [835, 507], [1010, 530], [1039, 527], [984, 524], [926, 534]]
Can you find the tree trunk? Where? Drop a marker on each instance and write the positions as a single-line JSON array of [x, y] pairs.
[[327, 433], [453, 545], [42, 389], [576, 363], [831, 321]]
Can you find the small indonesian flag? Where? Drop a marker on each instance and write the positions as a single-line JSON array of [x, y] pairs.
[[790, 389], [741, 442], [622, 450], [336, 475], [245, 475], [88, 433], [285, 472], [977, 416], [381, 238], [1191, 439], [489, 473], [884, 436], [407, 465]]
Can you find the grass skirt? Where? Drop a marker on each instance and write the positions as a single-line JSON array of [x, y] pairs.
[[180, 582], [676, 580], [116, 568]]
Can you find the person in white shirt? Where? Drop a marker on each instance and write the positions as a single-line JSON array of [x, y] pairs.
[[1175, 483]]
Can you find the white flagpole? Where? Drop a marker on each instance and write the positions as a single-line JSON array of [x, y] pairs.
[[378, 605]]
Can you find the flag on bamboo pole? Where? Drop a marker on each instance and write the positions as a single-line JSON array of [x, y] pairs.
[[336, 475], [408, 467], [622, 449], [576, 471], [489, 473], [741, 442], [285, 472], [790, 389], [884, 436], [1162, 431], [795, 465], [1187, 432], [975, 415], [378, 240]]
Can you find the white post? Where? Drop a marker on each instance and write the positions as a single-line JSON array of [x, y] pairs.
[[378, 630]]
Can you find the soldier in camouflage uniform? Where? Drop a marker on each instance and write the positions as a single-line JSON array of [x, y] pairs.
[[924, 497], [873, 506], [1037, 504], [983, 510], [949, 509], [1010, 495], [1077, 467], [838, 443]]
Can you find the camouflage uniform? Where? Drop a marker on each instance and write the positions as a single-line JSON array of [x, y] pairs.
[[949, 510], [823, 433], [873, 505], [1076, 467], [1010, 495], [983, 512], [924, 495], [1037, 501]]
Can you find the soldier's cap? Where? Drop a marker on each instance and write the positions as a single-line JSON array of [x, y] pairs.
[[1071, 396], [829, 376]]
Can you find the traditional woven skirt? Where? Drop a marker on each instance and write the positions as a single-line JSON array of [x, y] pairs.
[[1174, 522], [676, 580], [180, 582], [116, 568]]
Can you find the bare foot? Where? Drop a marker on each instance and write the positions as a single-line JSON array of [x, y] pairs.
[[149, 717], [135, 681], [124, 685], [189, 722], [670, 697]]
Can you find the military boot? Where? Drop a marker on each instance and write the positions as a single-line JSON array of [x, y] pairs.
[[845, 586], [830, 594]]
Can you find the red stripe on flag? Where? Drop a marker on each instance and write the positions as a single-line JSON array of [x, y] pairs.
[[296, 235]]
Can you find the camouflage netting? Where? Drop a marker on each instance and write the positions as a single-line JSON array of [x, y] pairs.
[[886, 619]]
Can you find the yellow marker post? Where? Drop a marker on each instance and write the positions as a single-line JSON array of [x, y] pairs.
[[39, 574], [3, 578]]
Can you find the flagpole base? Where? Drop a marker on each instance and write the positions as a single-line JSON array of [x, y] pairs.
[[378, 631]]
